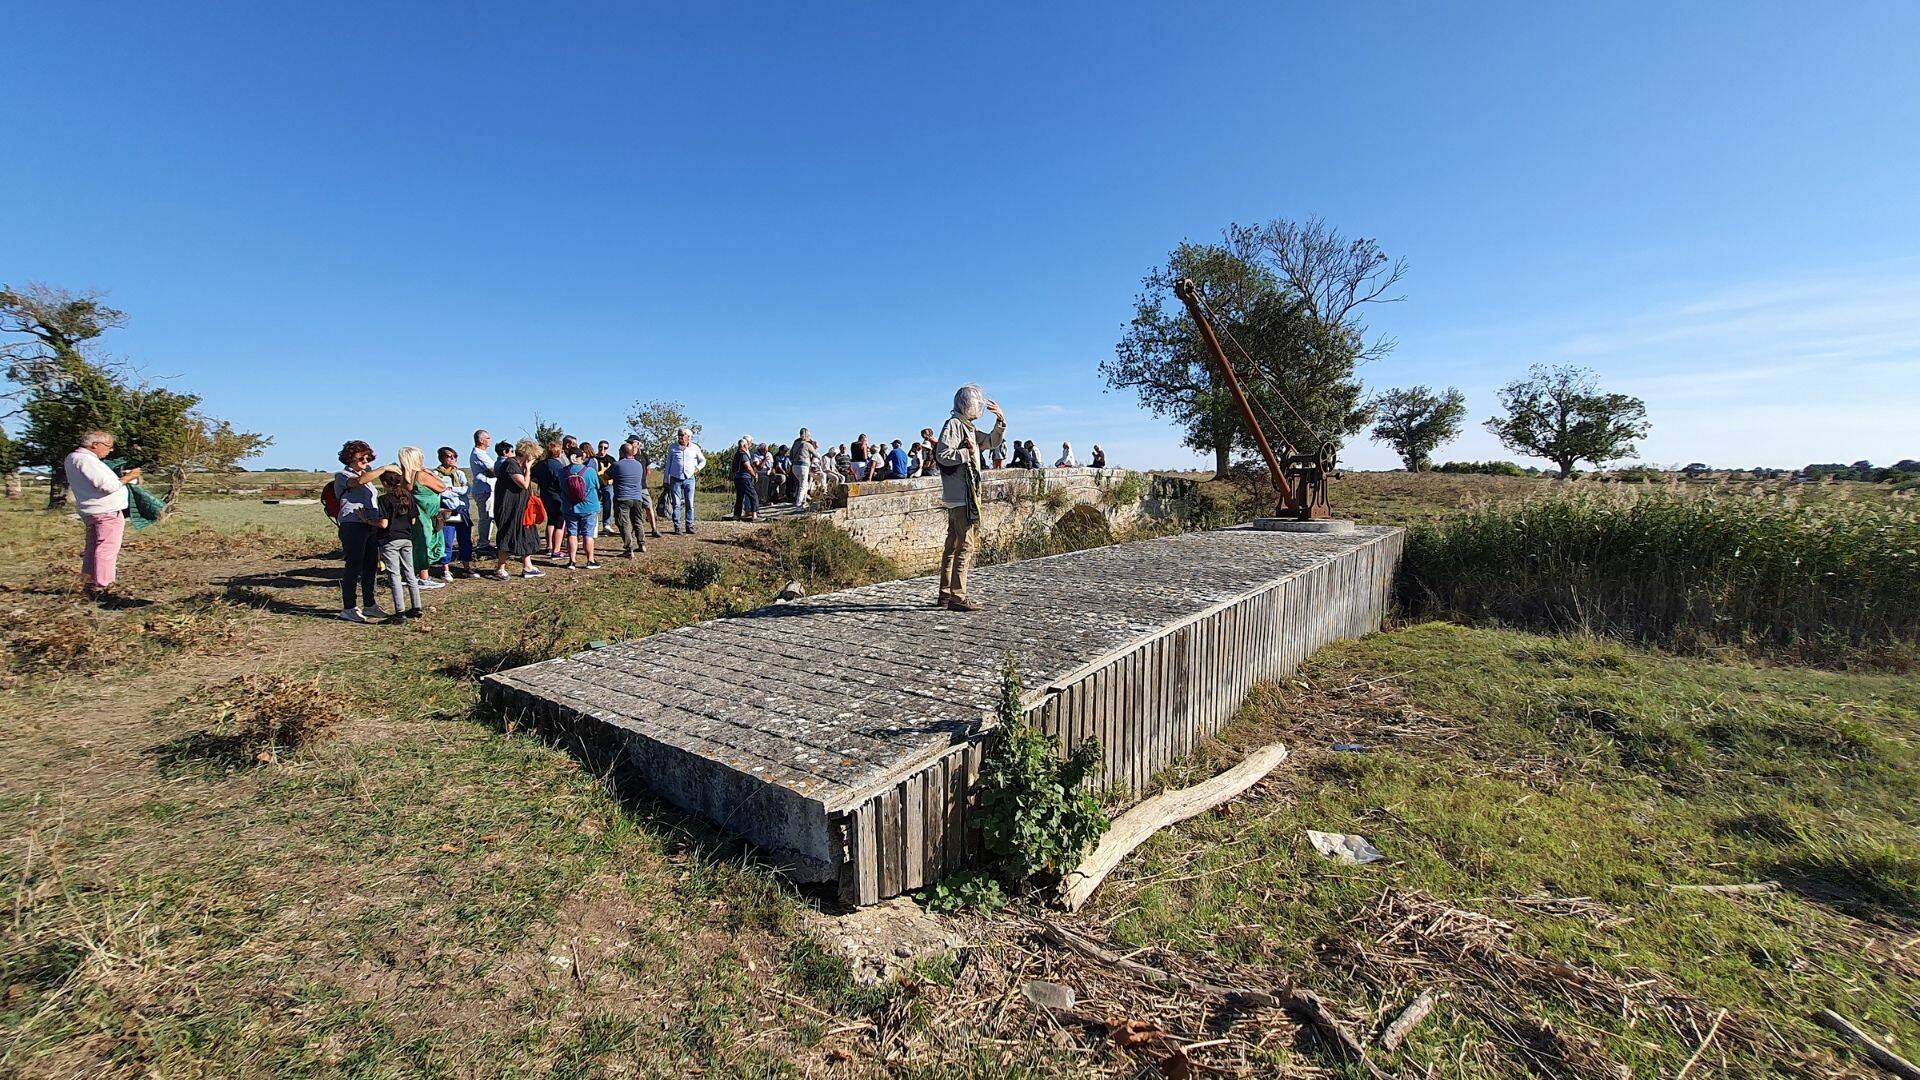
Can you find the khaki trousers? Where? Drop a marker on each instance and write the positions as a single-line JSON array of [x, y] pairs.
[[957, 556]]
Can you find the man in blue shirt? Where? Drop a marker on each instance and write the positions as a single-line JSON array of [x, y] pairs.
[[897, 463], [684, 462], [629, 480]]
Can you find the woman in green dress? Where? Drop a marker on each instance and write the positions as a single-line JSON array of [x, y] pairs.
[[429, 543]]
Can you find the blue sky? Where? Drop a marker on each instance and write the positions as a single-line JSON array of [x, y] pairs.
[[399, 222]]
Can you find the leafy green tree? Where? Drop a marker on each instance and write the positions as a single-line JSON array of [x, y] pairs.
[[546, 431], [63, 393], [1416, 420], [656, 422], [45, 336], [1560, 413], [1296, 367]]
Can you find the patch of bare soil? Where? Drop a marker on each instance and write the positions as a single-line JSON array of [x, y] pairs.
[[882, 940]]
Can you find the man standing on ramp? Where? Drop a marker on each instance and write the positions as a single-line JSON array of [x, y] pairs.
[[957, 453]]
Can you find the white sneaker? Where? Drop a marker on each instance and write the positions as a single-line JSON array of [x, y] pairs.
[[502, 575], [429, 583]]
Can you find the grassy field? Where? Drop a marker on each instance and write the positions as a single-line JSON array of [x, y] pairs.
[[424, 892]]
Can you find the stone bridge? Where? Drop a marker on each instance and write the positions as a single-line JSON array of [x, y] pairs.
[[903, 519]]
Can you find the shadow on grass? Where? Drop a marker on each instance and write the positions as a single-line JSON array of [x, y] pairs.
[[251, 589], [1872, 885], [602, 753], [1866, 878], [204, 752]]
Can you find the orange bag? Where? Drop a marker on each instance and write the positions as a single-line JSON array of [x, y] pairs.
[[536, 512]]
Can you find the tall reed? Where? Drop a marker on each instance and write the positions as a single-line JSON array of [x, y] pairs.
[[1834, 582]]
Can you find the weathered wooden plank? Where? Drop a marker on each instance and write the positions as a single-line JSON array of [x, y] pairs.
[[867, 833], [913, 832], [955, 767], [934, 844], [892, 844]]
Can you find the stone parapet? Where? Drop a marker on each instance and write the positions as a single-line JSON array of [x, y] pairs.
[[905, 521]]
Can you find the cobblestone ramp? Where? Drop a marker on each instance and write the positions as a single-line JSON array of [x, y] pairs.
[[842, 733]]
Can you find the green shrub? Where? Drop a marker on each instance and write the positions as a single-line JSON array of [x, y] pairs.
[[1128, 491], [1487, 468], [974, 889], [1833, 582], [1037, 818], [821, 556], [703, 570]]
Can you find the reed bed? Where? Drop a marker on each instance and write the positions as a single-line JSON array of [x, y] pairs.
[[1832, 582]]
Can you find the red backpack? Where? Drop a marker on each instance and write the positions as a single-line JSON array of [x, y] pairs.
[[577, 486], [330, 501]]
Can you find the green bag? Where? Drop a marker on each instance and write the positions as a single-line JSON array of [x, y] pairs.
[[143, 507]]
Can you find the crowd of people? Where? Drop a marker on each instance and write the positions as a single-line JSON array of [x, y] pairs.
[[804, 471], [510, 503]]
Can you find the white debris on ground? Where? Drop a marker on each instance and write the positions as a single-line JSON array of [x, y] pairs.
[[1344, 847]]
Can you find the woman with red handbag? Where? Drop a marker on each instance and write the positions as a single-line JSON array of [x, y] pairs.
[[518, 513]]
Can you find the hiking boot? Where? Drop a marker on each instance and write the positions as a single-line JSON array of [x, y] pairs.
[[961, 603]]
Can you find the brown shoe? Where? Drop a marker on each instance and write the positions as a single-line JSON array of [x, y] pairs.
[[961, 603], [943, 600]]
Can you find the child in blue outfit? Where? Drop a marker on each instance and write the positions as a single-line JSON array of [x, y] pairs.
[[583, 506]]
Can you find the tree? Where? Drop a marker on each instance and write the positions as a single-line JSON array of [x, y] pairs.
[[63, 393], [10, 465], [201, 444], [1163, 359], [546, 431], [1416, 420], [657, 422], [50, 326], [51, 331], [1559, 413], [1287, 318]]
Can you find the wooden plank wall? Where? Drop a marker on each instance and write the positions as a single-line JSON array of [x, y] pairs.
[[1148, 708]]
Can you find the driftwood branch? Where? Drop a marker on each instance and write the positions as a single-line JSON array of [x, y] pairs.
[[1067, 939], [1408, 1019], [1138, 824], [1746, 889], [1304, 1004], [1881, 1056], [1712, 1030]]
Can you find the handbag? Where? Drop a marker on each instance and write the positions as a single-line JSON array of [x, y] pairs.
[[535, 514]]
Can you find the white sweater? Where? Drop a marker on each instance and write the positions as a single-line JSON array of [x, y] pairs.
[[96, 490]]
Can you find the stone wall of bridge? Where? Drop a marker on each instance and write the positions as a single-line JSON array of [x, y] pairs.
[[904, 520]]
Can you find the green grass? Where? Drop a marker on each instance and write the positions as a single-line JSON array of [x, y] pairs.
[[1835, 581], [428, 894], [1507, 767]]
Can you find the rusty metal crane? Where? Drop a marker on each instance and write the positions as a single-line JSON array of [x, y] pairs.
[[1299, 479]]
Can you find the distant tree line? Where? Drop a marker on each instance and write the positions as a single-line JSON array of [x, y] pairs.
[[1902, 471]]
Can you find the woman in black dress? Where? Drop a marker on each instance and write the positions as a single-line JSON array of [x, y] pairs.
[[511, 491]]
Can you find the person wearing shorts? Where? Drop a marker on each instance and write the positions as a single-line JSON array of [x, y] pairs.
[[583, 517]]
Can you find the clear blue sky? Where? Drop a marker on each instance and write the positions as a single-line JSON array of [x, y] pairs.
[[401, 221]]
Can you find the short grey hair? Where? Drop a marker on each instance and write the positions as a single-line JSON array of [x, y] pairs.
[[968, 398], [683, 431], [92, 437]]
